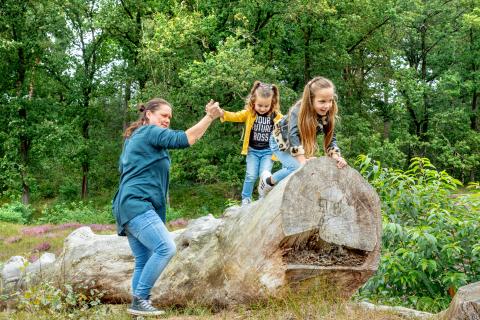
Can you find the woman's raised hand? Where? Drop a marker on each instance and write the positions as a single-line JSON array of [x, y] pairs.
[[213, 110]]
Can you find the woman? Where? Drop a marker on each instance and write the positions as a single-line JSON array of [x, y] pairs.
[[139, 205]]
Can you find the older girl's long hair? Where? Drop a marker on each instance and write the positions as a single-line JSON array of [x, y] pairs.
[[307, 119], [151, 105], [264, 90]]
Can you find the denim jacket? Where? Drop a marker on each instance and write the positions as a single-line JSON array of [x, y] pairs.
[[287, 134]]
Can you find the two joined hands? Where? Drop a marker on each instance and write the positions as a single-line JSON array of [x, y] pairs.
[[213, 110]]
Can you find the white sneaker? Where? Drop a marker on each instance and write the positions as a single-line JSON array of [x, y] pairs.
[[263, 186], [246, 201]]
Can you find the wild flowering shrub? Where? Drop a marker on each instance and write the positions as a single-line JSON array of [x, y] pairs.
[[59, 300], [431, 238]]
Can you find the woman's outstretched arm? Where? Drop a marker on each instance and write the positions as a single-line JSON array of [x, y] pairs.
[[196, 132]]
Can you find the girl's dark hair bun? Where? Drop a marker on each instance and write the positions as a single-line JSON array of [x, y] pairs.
[[141, 107]]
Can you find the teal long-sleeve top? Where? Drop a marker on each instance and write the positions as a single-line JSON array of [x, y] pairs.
[[144, 173]]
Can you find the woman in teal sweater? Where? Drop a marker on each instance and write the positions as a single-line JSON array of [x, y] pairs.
[[139, 205]]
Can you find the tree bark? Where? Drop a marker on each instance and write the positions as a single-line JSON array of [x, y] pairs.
[[320, 225], [307, 63], [465, 305], [86, 160]]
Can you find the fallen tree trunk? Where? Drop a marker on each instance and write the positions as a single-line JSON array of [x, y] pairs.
[[465, 304], [319, 224]]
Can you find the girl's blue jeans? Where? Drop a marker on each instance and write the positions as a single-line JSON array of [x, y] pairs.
[[257, 162], [289, 163], [152, 248]]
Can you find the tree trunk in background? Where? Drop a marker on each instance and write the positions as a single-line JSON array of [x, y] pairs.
[[387, 123], [307, 60], [85, 161], [474, 116], [128, 96], [22, 114]]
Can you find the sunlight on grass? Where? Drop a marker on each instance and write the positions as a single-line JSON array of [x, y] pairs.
[[292, 306]]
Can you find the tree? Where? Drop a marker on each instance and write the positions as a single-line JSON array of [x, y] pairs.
[[89, 55]]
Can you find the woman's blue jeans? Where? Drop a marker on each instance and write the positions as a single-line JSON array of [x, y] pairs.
[[257, 162], [289, 163], [152, 248]]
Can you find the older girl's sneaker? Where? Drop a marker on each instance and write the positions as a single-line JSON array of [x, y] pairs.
[[263, 186], [142, 307]]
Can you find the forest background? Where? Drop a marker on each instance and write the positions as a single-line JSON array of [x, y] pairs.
[[407, 75]]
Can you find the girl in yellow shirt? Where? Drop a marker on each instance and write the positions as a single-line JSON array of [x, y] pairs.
[[261, 111]]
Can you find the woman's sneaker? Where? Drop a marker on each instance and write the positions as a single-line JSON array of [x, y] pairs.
[[263, 186], [142, 307]]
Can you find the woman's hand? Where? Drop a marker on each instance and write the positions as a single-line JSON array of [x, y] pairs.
[[340, 161], [213, 110], [196, 132]]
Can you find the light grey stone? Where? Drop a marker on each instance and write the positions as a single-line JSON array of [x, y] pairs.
[[401, 311], [13, 269], [42, 264]]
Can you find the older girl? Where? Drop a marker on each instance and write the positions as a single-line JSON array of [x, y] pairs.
[[294, 139]]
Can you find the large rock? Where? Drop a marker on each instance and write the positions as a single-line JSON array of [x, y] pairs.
[[320, 224], [13, 269], [465, 305]]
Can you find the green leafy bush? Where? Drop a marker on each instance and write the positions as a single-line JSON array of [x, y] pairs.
[[431, 243], [16, 212], [82, 212]]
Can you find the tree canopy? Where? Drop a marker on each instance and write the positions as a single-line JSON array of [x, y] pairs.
[[407, 75]]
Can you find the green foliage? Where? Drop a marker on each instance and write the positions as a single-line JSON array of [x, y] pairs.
[[70, 87], [56, 300], [406, 72], [82, 212], [16, 212], [194, 200], [430, 235]]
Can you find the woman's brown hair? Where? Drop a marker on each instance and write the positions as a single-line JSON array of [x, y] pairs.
[[308, 117], [151, 105]]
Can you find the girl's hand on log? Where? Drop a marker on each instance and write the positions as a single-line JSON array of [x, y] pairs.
[[340, 161]]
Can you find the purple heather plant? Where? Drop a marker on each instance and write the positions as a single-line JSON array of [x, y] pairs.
[[101, 227], [37, 230], [44, 246], [12, 239], [69, 225]]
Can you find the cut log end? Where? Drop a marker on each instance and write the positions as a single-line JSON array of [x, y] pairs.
[[313, 251]]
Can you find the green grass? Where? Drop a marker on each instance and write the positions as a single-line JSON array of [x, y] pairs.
[[293, 305], [26, 244], [186, 200]]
